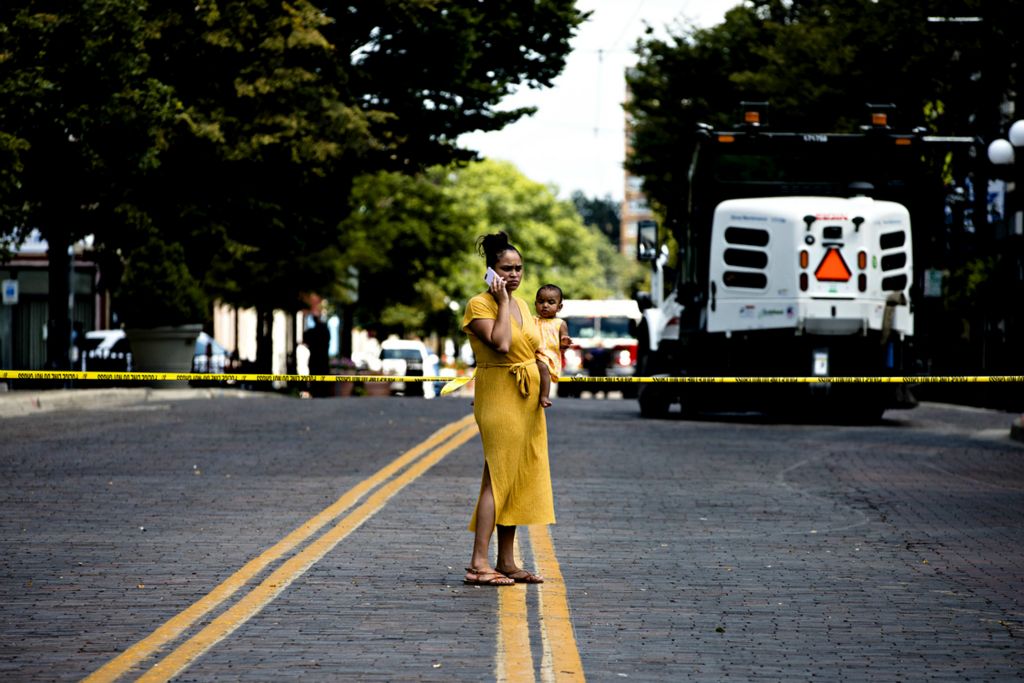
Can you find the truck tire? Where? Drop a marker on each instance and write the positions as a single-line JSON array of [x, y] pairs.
[[653, 399], [653, 402]]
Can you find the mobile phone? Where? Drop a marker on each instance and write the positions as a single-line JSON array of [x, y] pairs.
[[489, 276]]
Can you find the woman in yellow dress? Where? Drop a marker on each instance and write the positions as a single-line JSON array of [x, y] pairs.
[[516, 484]]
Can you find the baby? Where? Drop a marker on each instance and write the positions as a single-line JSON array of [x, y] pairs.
[[554, 335]]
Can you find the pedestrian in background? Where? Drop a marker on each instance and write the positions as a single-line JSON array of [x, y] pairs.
[[516, 485]]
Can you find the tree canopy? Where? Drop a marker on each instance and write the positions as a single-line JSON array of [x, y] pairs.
[[602, 213], [818, 62], [235, 130], [411, 239]]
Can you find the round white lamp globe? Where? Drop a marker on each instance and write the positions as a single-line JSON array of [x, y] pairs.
[[1017, 133], [1000, 152]]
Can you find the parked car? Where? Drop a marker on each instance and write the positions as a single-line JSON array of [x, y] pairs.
[[209, 356], [405, 357]]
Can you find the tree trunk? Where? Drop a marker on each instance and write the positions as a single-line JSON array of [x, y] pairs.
[[347, 320], [264, 339], [58, 324]]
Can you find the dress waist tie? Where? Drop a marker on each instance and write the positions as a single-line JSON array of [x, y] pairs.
[[519, 370]]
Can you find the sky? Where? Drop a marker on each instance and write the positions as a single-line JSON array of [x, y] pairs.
[[575, 140]]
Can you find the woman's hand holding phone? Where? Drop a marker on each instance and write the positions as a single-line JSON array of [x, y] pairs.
[[496, 285]]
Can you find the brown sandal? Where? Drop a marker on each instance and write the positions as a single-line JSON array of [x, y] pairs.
[[486, 578], [523, 576]]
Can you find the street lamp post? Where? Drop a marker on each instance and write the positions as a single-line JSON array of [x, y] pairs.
[[1003, 152]]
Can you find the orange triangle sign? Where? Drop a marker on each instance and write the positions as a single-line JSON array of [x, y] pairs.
[[833, 268]]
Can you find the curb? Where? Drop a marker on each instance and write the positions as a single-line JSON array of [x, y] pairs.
[[19, 403]]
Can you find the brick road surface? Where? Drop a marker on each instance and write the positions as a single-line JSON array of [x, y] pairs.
[[728, 548]]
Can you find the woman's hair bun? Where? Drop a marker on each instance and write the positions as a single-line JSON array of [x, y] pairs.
[[491, 246]]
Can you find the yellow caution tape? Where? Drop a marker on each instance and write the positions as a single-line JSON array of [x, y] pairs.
[[204, 376], [457, 383], [461, 381]]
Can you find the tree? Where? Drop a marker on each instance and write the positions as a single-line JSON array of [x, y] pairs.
[[402, 240], [235, 129], [557, 247], [263, 153], [817, 62], [440, 69], [412, 240], [80, 119], [603, 214]]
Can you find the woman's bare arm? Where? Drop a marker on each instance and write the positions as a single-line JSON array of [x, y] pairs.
[[496, 333]]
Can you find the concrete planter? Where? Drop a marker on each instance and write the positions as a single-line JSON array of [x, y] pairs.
[[164, 349], [376, 388]]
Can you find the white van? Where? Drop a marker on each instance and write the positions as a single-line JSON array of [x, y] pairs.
[[409, 358]]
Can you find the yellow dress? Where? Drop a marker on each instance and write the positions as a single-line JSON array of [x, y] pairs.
[[550, 351], [512, 425]]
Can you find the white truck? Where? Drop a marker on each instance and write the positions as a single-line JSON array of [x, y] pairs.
[[796, 258]]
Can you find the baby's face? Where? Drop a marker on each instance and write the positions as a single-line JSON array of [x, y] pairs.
[[548, 304]]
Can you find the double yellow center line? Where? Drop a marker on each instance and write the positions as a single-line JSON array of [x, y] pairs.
[[378, 489], [560, 658]]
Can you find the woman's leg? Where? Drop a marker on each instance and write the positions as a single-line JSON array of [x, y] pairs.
[[506, 546], [484, 524], [480, 571], [506, 563]]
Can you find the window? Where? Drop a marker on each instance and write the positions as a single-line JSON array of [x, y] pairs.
[[892, 240], [749, 236], [746, 258], [581, 328], [404, 354], [614, 327]]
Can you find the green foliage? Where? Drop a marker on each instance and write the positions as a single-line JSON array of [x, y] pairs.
[[412, 240], [817, 62], [157, 288], [80, 115], [983, 285], [440, 68], [556, 246], [235, 129], [401, 236], [603, 214]]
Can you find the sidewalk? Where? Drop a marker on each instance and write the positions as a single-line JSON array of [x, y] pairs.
[[29, 402]]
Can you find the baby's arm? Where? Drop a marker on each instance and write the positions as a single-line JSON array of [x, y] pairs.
[[564, 340], [545, 384]]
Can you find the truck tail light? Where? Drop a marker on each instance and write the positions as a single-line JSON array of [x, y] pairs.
[[804, 258], [862, 282], [572, 359], [862, 260], [803, 282]]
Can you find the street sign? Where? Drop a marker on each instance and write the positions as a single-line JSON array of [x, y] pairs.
[[932, 283], [10, 288]]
